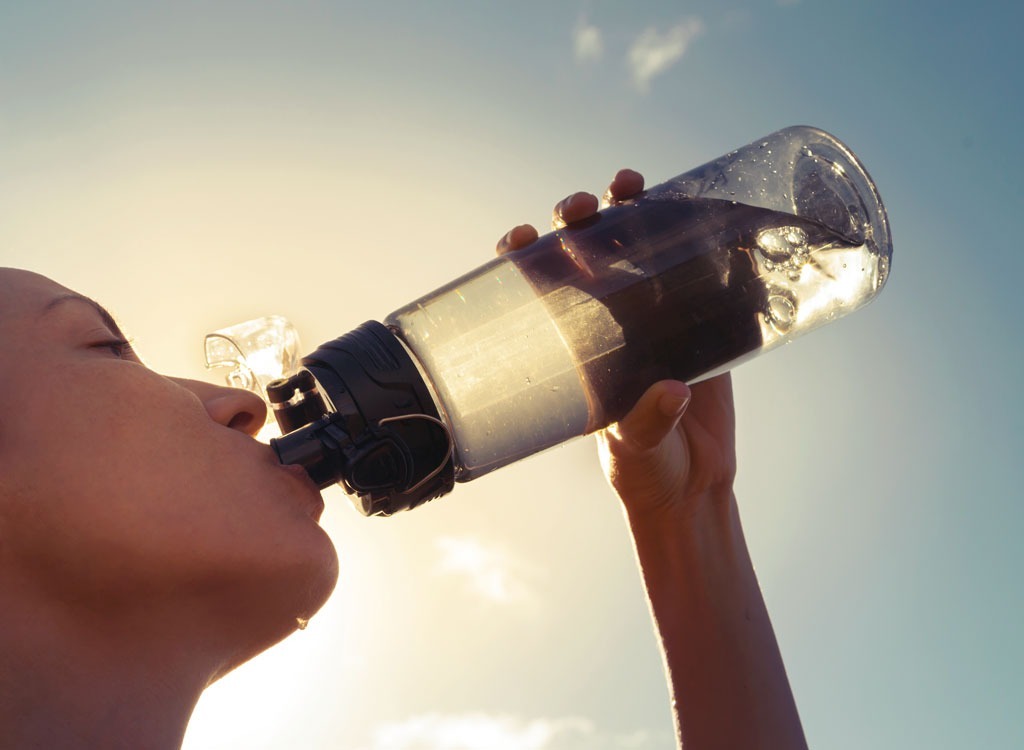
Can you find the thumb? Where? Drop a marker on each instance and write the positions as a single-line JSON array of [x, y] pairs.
[[655, 415]]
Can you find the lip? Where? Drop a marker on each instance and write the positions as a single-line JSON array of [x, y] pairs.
[[317, 507]]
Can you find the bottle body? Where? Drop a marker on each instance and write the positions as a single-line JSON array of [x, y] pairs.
[[560, 338]]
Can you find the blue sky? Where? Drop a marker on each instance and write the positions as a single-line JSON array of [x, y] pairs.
[[165, 158]]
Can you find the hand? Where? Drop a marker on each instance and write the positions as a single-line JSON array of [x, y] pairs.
[[576, 207], [676, 448]]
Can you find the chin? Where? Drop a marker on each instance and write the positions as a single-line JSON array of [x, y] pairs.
[[308, 583], [268, 610]]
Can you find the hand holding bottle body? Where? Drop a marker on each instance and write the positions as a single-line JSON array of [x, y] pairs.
[[677, 443]]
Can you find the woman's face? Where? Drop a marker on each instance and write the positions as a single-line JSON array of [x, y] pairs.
[[119, 485]]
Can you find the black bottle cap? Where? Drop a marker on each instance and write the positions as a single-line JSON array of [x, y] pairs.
[[382, 436]]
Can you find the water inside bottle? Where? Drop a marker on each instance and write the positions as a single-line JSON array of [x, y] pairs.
[[561, 338]]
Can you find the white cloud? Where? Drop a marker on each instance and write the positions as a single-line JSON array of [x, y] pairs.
[[587, 42], [489, 572], [654, 51], [485, 732]]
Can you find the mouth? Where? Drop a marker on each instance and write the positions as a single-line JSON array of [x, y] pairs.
[[316, 507]]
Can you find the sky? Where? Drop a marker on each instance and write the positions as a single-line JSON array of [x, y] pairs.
[[195, 164]]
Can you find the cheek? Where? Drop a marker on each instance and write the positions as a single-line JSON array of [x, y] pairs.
[[116, 451], [93, 480]]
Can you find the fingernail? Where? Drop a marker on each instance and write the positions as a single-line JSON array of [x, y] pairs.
[[673, 404]]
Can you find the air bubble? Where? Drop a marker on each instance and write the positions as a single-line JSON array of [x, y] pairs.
[[783, 243], [781, 310], [883, 272]]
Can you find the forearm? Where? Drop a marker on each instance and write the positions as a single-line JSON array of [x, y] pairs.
[[728, 682]]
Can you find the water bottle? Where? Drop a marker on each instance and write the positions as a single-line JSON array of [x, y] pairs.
[[560, 338]]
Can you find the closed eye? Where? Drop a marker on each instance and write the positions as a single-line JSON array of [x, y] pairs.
[[120, 348]]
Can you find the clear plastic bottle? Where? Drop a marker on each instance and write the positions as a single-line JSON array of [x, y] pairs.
[[560, 338]]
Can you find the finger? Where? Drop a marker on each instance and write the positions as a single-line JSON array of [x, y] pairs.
[[655, 415], [574, 208], [714, 403], [626, 184], [517, 237]]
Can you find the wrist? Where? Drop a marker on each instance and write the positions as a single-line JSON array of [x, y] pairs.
[[693, 549], [711, 514]]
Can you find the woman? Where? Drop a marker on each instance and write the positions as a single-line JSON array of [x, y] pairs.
[[148, 544]]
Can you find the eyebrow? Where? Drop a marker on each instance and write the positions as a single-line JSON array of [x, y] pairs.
[[105, 316]]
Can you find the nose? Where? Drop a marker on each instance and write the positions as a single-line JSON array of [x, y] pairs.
[[232, 407]]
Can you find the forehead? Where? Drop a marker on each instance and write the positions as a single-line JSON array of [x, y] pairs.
[[27, 298], [25, 293], [23, 299]]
